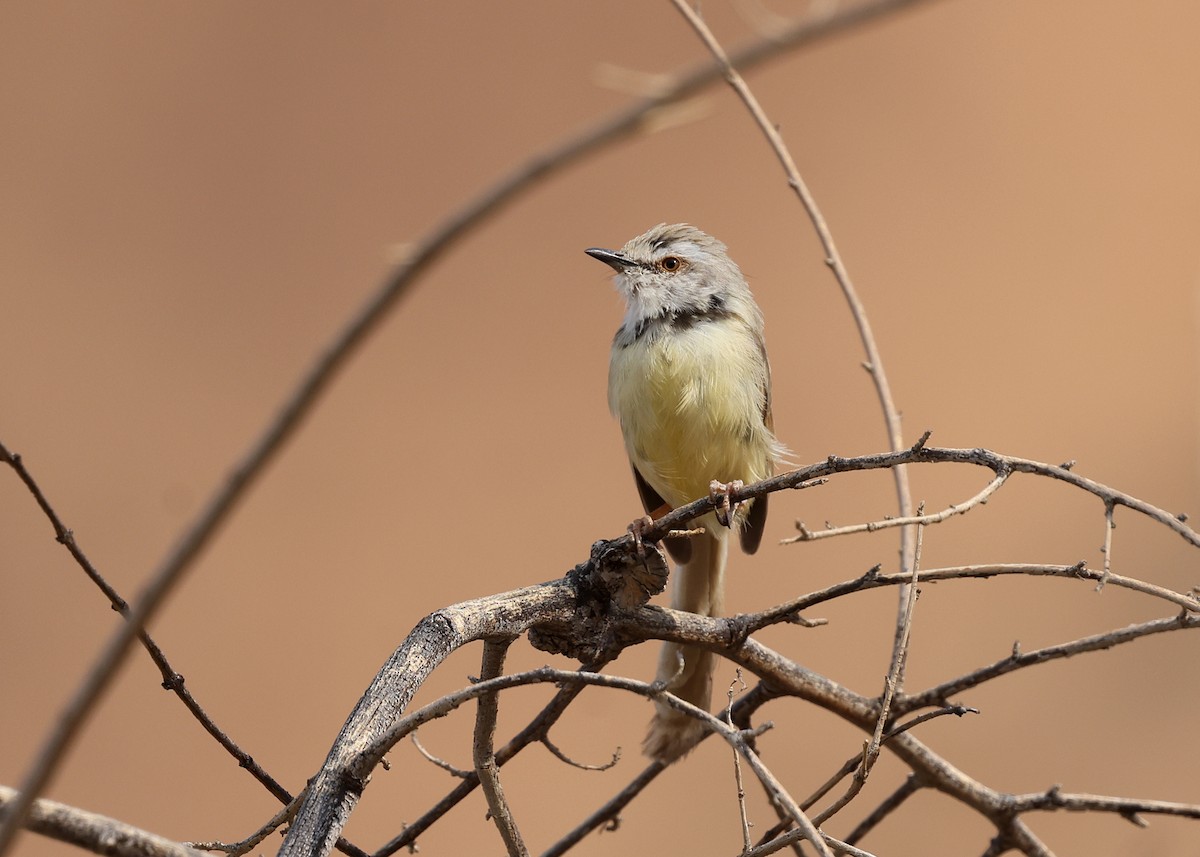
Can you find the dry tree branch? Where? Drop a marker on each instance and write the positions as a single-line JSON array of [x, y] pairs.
[[732, 734], [789, 611], [730, 693], [716, 633], [305, 395], [1019, 660], [788, 677], [1128, 808], [484, 750], [1106, 549], [94, 832], [371, 729]]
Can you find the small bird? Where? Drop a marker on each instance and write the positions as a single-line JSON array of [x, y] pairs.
[[689, 382]]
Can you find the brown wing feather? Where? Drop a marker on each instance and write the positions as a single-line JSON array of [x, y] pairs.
[[756, 518], [680, 549]]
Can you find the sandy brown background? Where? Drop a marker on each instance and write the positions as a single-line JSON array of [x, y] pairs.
[[194, 197]]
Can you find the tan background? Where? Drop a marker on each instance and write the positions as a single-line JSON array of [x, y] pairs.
[[194, 197]]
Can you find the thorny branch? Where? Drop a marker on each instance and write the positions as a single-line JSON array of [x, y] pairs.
[[624, 623]]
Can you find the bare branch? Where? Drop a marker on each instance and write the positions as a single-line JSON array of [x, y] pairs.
[[747, 844], [484, 752], [1018, 660], [1129, 808], [900, 652], [1109, 526], [93, 832]]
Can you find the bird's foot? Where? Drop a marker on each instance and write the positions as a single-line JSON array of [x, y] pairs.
[[719, 494], [636, 529]]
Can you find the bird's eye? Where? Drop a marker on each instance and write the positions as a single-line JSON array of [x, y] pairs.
[[671, 263]]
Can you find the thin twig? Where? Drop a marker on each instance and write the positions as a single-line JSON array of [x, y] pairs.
[[1019, 660], [737, 762], [484, 753], [807, 535], [461, 773], [1109, 526], [236, 849], [563, 757], [751, 622], [956, 710], [845, 848], [1127, 808], [890, 686]]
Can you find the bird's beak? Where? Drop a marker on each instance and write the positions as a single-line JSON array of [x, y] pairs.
[[611, 258]]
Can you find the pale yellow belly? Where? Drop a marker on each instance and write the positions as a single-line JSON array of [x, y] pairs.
[[690, 406]]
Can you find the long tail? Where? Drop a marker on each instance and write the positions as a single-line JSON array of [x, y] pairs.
[[699, 587]]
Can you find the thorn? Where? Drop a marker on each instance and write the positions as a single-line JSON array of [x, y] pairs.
[[920, 444], [1135, 819], [1067, 465]]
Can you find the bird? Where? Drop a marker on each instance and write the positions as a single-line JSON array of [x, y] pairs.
[[690, 385]]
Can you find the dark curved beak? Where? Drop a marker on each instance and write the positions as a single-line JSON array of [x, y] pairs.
[[611, 258]]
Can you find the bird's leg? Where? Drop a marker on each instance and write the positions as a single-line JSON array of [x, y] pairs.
[[719, 494]]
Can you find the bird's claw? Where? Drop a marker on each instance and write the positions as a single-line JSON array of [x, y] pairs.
[[719, 494], [637, 529]]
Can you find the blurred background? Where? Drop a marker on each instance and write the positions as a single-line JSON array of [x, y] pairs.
[[195, 197]]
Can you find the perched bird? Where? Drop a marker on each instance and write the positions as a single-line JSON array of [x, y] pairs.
[[690, 385]]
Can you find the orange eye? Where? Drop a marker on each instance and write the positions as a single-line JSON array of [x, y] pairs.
[[671, 263]]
